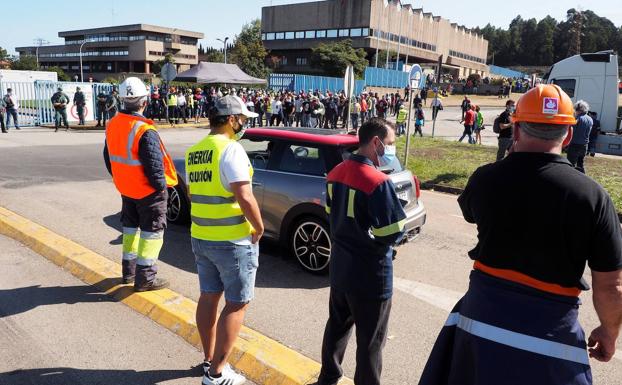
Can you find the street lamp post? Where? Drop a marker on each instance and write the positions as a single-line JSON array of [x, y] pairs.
[[224, 42], [81, 71]]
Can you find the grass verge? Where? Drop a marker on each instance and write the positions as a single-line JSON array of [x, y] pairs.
[[446, 163]]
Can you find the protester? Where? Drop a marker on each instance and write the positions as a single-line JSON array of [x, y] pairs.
[[11, 108], [226, 249], [478, 125], [363, 236], [540, 223], [419, 119], [505, 130], [142, 170], [577, 149]]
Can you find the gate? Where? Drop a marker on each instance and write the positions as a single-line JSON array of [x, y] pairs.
[[34, 107]]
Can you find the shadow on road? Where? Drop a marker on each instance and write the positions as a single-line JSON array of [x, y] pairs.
[[276, 269], [60, 375], [23, 299]]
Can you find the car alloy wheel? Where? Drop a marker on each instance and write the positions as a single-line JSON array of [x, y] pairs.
[[174, 207], [311, 245]]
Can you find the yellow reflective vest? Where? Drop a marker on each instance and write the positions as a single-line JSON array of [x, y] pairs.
[[172, 100], [216, 215], [401, 115]]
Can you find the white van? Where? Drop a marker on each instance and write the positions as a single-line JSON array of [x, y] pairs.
[[593, 77]]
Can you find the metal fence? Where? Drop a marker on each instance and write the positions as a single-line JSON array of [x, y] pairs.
[[34, 107], [295, 83], [380, 77], [506, 72]]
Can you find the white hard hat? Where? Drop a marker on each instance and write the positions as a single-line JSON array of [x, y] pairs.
[[132, 87]]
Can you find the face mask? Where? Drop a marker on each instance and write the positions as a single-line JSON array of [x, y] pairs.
[[511, 109], [240, 132], [388, 156]]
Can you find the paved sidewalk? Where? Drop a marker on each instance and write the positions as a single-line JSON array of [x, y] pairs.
[[54, 329]]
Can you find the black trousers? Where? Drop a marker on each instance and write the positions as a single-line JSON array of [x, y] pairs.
[[148, 213], [576, 155], [371, 317]]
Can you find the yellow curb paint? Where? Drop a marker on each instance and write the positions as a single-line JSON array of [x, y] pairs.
[[260, 358]]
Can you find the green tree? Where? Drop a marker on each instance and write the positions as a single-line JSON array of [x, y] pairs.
[[24, 63], [248, 51], [156, 67], [62, 76], [335, 57], [382, 57], [545, 50], [528, 37], [214, 56], [4, 54]]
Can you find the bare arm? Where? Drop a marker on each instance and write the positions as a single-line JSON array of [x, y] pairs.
[[607, 296], [245, 197]]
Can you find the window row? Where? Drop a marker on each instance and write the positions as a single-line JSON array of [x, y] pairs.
[[316, 34], [466, 57], [403, 40], [179, 55], [124, 37], [87, 53]]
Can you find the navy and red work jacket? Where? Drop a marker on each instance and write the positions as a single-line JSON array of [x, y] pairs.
[[366, 221]]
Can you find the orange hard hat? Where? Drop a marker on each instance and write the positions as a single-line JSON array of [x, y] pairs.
[[545, 103]]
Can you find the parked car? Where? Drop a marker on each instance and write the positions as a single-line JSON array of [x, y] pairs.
[[290, 186]]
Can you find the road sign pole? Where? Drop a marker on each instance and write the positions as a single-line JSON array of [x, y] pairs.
[[410, 107], [414, 80], [434, 115]]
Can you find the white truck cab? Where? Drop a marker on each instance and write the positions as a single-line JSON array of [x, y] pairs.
[[593, 77]]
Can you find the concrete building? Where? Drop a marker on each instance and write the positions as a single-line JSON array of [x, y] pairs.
[[111, 51], [289, 32]]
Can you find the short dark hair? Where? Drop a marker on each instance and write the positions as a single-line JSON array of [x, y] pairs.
[[510, 101], [374, 127]]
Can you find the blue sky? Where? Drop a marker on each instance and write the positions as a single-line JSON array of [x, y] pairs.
[[30, 19]]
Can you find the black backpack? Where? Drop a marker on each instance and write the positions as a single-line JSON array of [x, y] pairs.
[[496, 126]]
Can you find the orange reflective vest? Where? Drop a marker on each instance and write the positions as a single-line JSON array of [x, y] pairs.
[[122, 138]]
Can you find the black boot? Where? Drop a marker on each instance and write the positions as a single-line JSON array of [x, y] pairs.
[[129, 270], [146, 279]]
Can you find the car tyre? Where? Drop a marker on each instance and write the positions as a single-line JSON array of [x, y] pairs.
[[310, 244], [178, 209]]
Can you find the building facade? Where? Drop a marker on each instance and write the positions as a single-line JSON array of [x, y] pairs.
[[112, 51], [290, 31]]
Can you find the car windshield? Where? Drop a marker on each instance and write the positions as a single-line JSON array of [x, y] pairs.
[[394, 167]]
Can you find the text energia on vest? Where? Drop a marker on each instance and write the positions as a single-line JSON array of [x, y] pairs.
[[200, 157]]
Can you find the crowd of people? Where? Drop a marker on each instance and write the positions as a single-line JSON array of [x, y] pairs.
[[312, 108], [543, 276]]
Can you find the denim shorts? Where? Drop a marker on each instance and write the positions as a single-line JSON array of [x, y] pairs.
[[225, 266]]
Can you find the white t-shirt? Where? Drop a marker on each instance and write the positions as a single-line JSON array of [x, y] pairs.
[[234, 167]]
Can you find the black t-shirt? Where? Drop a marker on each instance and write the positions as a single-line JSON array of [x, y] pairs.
[[505, 118], [537, 215], [288, 108]]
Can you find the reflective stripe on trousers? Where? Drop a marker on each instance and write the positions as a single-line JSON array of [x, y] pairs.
[[149, 247], [518, 340], [130, 243]]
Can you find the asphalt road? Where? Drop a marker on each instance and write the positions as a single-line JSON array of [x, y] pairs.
[[59, 181], [54, 330]]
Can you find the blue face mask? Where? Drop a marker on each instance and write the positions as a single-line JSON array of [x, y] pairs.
[[388, 157]]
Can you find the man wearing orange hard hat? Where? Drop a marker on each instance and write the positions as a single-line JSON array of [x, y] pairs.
[[539, 222]]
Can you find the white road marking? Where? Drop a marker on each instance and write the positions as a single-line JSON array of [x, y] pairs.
[[439, 297], [456, 216]]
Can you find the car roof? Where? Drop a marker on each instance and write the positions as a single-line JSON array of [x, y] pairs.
[[310, 135]]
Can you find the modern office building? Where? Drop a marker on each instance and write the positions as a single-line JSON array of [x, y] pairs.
[[290, 31], [111, 51]]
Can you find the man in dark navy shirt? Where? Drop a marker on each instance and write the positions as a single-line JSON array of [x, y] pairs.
[[539, 222], [366, 221]]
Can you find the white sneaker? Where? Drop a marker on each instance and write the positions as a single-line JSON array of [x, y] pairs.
[[227, 377]]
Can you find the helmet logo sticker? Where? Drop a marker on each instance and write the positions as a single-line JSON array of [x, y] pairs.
[[550, 106]]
